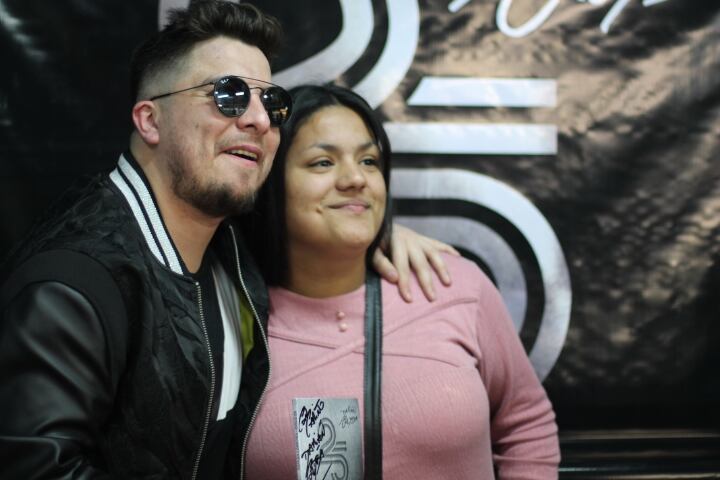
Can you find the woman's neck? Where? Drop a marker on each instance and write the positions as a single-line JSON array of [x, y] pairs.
[[321, 276]]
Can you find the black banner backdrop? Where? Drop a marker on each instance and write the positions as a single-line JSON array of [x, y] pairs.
[[568, 147]]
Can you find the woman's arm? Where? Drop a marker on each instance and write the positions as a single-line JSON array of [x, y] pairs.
[[523, 428]]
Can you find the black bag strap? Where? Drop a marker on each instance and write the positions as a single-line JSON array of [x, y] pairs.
[[373, 370]]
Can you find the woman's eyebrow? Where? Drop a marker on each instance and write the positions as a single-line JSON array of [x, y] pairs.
[[368, 145], [329, 147]]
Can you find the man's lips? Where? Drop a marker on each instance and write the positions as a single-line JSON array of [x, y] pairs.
[[246, 152]]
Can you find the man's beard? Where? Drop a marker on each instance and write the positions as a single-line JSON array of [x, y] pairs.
[[213, 199]]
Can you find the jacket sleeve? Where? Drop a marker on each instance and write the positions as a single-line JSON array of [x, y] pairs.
[[59, 372], [523, 428]]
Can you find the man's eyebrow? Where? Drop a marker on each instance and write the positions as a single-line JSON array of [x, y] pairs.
[[209, 80]]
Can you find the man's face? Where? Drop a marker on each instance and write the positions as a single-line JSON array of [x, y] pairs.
[[216, 163]]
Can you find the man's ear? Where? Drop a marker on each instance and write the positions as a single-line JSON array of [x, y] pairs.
[[145, 116]]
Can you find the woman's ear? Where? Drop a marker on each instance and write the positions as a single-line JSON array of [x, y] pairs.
[[145, 116]]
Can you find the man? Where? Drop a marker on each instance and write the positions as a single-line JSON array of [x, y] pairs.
[[132, 339]]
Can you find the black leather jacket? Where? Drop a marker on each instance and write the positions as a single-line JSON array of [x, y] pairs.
[[104, 364]]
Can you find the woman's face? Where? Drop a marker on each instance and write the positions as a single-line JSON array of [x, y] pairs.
[[335, 189]]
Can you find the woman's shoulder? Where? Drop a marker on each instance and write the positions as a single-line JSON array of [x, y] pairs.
[[461, 265], [466, 276], [468, 282]]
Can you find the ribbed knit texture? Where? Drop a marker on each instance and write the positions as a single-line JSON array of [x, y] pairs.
[[458, 390]]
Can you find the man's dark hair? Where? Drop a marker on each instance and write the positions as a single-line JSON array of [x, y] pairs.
[[202, 20], [266, 227]]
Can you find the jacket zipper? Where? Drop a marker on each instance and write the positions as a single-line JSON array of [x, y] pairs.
[[203, 437], [267, 349]]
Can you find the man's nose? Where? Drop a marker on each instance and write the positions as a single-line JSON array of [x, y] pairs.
[[255, 115]]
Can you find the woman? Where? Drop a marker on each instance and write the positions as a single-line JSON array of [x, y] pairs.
[[459, 396]]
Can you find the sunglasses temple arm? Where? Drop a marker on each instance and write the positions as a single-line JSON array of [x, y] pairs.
[[180, 91]]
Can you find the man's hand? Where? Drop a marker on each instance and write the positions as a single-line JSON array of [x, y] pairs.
[[410, 250]]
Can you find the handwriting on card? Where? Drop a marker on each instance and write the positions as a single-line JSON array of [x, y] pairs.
[[328, 438]]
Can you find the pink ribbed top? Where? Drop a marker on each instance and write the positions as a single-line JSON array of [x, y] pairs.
[[458, 391]]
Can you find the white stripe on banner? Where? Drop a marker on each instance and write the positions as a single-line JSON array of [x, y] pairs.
[[397, 55], [484, 92], [341, 54], [473, 138], [612, 14], [456, 5]]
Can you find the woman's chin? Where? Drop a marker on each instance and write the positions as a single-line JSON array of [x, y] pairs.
[[352, 245]]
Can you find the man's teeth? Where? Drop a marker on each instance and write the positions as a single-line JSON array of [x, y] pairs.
[[244, 154]]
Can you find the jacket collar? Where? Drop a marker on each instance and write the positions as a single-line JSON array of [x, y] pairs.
[[129, 178]]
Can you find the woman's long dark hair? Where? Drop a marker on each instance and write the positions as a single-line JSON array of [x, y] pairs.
[[266, 227]]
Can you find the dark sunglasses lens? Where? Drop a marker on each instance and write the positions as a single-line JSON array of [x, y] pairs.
[[278, 104], [232, 96]]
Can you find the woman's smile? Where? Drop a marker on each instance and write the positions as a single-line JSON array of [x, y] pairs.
[[354, 206]]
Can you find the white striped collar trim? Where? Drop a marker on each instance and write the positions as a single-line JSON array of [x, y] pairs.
[[137, 194]]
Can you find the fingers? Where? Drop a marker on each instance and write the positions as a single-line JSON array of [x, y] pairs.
[[384, 267], [423, 271], [398, 245], [418, 254], [409, 252], [425, 257], [438, 265], [437, 261]]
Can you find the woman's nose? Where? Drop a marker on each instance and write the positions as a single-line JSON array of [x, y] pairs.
[[351, 176]]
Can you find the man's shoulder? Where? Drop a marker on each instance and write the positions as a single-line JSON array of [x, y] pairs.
[[76, 270], [82, 219], [55, 286]]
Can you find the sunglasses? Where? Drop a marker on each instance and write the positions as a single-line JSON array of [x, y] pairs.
[[232, 97]]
